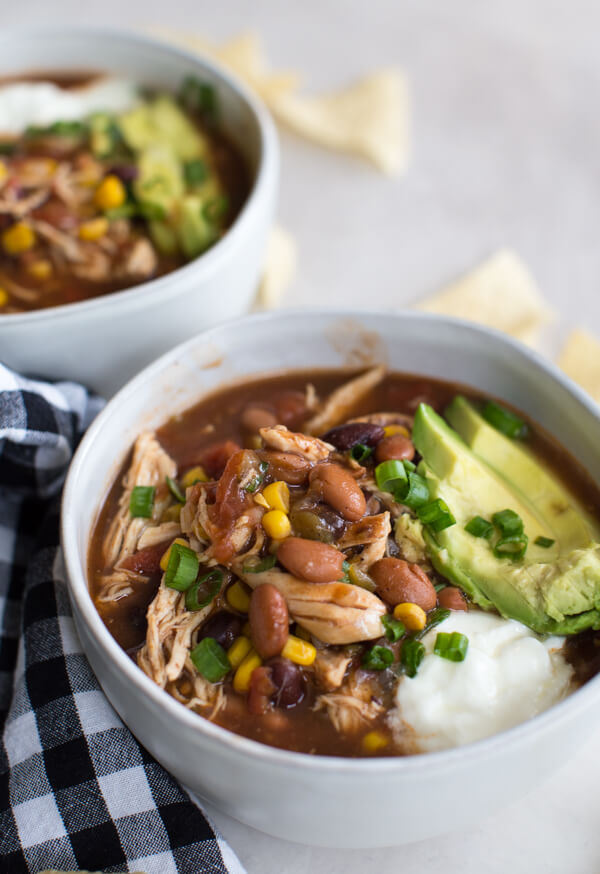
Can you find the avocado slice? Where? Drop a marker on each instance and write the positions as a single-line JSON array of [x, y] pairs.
[[160, 178], [194, 231], [554, 590], [162, 122]]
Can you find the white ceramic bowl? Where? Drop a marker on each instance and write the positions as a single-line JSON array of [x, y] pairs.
[[313, 799], [103, 342]]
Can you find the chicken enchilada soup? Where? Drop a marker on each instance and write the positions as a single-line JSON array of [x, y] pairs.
[[350, 564], [104, 185]]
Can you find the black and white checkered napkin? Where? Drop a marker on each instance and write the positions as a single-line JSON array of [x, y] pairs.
[[76, 789]]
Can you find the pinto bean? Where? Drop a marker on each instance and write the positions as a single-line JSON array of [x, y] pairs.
[[291, 408], [288, 680], [398, 582], [269, 621], [338, 489], [344, 437], [286, 466], [254, 418], [260, 691], [223, 626], [395, 447], [452, 598], [311, 560]]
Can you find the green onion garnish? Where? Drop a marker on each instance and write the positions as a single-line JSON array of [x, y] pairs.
[[204, 590], [508, 522], [210, 660], [505, 421], [394, 629], [360, 452], [390, 475], [451, 646], [255, 565], [68, 128], [408, 465], [414, 493], [479, 527], [437, 515], [512, 546], [544, 542], [7, 147], [195, 172], [413, 653], [182, 568], [377, 658], [435, 617], [175, 490], [141, 501], [255, 483], [215, 209], [199, 97]]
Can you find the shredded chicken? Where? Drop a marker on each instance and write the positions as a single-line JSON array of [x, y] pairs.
[[330, 668], [158, 534], [373, 532], [19, 207], [385, 419], [310, 448], [343, 400], [141, 260], [333, 612], [352, 707], [204, 694], [69, 247], [27, 295], [94, 265], [150, 466]]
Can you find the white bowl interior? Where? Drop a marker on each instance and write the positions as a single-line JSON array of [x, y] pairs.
[[414, 343]]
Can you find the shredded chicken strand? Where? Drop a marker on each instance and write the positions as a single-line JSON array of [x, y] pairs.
[[343, 400], [311, 448]]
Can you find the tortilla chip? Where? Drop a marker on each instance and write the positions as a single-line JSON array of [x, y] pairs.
[[580, 359], [499, 293], [368, 119], [279, 268]]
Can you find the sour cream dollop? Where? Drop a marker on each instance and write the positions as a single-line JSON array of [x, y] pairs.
[[42, 103], [509, 675]]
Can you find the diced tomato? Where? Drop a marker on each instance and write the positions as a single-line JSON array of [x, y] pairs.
[[214, 458]]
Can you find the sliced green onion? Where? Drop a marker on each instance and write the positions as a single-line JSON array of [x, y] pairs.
[[413, 653], [195, 172], [199, 97], [390, 475], [439, 586], [414, 493], [505, 421], [204, 590], [7, 147], [175, 490], [437, 515], [256, 565], [68, 128], [394, 629], [451, 646], [182, 568], [544, 542], [210, 660], [360, 452], [141, 501], [408, 465], [215, 209], [508, 522], [512, 546], [377, 658], [255, 483], [479, 527], [435, 617]]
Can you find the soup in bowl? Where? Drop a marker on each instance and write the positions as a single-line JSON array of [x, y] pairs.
[[357, 584]]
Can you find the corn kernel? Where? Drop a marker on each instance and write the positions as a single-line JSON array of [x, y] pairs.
[[3, 171], [243, 675], [18, 238], [40, 269], [411, 615], [166, 555], [238, 597], [172, 514], [110, 193], [4, 297], [277, 495], [194, 475], [238, 651], [93, 229], [258, 499], [276, 524], [374, 741], [301, 652], [392, 430]]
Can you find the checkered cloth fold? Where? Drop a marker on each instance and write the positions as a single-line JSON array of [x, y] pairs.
[[76, 788]]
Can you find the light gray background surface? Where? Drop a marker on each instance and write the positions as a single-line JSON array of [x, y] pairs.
[[506, 152]]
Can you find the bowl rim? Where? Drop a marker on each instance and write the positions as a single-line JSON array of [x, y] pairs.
[[208, 262], [391, 767]]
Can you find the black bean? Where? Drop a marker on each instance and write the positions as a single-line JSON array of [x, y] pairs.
[[344, 437], [224, 627], [288, 680]]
